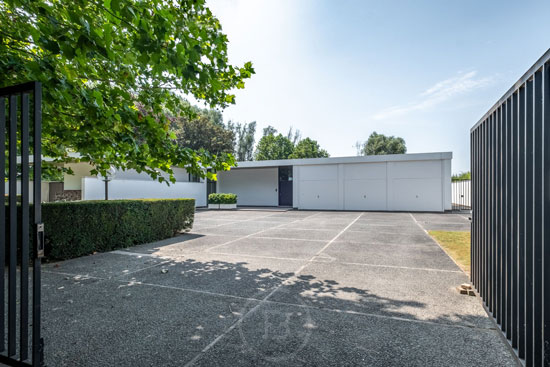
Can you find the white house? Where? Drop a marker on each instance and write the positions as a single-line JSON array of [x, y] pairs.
[[400, 182], [133, 185]]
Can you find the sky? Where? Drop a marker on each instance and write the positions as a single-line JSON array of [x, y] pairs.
[[426, 71]]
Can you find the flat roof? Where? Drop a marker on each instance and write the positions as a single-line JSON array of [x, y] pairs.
[[356, 159]]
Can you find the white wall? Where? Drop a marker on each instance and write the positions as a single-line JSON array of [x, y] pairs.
[[82, 169], [447, 188], [255, 187], [44, 190], [180, 175], [94, 189], [398, 186], [74, 181], [423, 185]]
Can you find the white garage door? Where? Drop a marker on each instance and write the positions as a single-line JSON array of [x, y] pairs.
[[365, 186], [415, 186], [319, 187], [253, 186], [400, 186]]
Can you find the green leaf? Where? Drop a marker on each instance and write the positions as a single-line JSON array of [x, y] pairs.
[[105, 66]]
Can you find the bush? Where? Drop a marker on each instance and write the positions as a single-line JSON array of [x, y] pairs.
[[77, 228], [222, 199], [7, 199]]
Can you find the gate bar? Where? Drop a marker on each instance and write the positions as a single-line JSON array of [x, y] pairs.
[[37, 342], [12, 291], [3, 235], [24, 323]]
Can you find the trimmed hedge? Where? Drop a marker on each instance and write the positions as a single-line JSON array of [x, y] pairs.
[[222, 198], [7, 199], [78, 228]]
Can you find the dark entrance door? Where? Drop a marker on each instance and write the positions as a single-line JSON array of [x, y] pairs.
[[285, 186], [210, 188], [20, 136]]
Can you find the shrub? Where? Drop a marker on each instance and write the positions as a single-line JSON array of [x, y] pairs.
[[7, 199], [77, 228], [222, 198]]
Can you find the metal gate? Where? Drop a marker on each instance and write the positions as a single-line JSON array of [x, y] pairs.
[[20, 135], [510, 152]]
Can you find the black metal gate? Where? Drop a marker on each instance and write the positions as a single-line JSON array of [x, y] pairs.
[[20, 135], [510, 152]]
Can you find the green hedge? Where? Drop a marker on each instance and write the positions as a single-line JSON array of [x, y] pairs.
[[222, 198], [7, 199], [77, 228]]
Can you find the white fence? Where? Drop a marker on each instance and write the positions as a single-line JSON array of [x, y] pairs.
[[461, 195], [94, 189]]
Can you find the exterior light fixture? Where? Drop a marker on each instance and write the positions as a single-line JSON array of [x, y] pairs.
[[109, 176]]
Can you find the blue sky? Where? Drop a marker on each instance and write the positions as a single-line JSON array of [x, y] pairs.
[[339, 70]]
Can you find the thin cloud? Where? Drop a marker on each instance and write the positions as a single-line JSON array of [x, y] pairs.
[[437, 94]]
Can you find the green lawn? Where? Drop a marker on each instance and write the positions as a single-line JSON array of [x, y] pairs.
[[457, 245]]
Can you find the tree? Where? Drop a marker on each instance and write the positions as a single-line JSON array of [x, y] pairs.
[[294, 136], [308, 148], [100, 60], [274, 147], [378, 144], [461, 176], [213, 115], [269, 130], [244, 140], [202, 133]]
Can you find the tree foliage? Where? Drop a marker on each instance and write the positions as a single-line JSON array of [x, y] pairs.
[[269, 130], [212, 114], [202, 133], [274, 147], [308, 148], [294, 136], [461, 176], [379, 144], [101, 59], [277, 146], [244, 140]]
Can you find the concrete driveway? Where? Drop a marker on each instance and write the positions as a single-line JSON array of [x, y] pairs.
[[287, 288]]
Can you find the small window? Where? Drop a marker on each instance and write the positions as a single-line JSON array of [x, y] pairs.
[[193, 178], [285, 173]]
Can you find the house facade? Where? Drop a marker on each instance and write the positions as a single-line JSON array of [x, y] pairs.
[[399, 182]]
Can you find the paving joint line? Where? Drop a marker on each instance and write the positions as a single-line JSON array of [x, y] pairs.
[[135, 254], [326, 309], [311, 229], [255, 233], [441, 247], [400, 267], [73, 275], [145, 268], [332, 259], [239, 221], [258, 256], [248, 299], [289, 239]]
